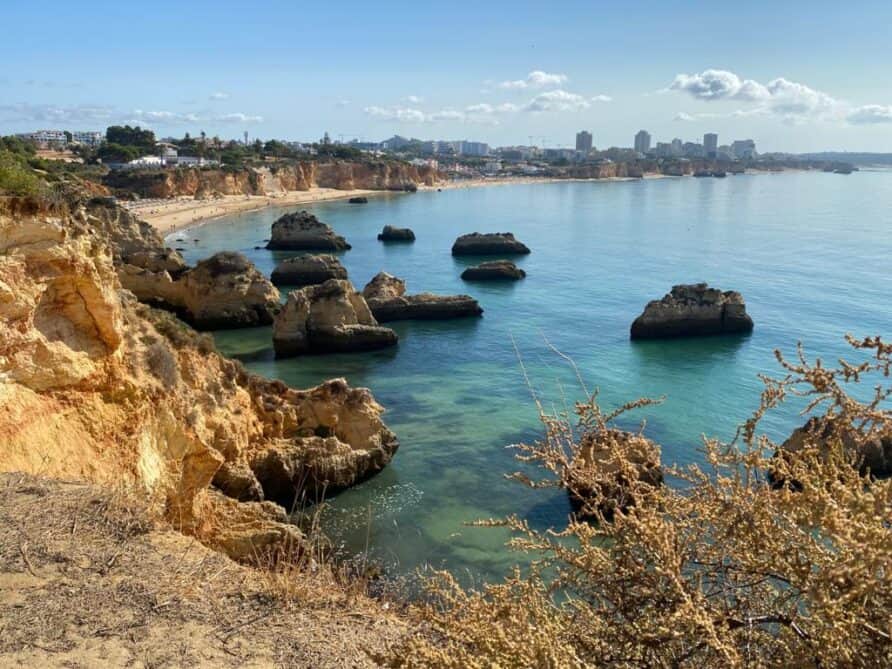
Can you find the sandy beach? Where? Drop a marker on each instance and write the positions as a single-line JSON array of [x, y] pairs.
[[175, 214]]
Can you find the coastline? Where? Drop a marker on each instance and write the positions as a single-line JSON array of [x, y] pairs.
[[177, 214]]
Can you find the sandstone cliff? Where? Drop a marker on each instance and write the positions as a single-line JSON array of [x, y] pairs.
[[96, 386], [343, 175]]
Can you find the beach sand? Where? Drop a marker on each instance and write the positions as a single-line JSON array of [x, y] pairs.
[[175, 214], [172, 215]]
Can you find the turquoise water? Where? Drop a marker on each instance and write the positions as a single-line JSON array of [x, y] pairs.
[[809, 251]]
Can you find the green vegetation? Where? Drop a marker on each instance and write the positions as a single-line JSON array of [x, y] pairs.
[[135, 137], [16, 176]]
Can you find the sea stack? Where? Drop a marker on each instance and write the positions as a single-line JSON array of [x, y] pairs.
[[301, 231], [386, 298], [495, 270], [693, 310], [487, 244], [308, 270], [328, 318], [392, 234], [361, 199]]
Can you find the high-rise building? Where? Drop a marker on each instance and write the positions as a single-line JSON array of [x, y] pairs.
[[642, 141], [711, 144], [677, 147], [584, 141], [743, 149], [474, 148]]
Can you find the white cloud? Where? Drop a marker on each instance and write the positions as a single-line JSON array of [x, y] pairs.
[[179, 118], [870, 114], [557, 100], [219, 95], [55, 113], [601, 98], [719, 85], [792, 101], [396, 114], [414, 99], [535, 79], [684, 116], [78, 115]]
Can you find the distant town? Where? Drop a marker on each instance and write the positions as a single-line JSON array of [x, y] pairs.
[[132, 148]]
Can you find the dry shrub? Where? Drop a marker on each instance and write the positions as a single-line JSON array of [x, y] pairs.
[[719, 569]]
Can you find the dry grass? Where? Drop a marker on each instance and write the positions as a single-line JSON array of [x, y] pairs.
[[723, 570], [87, 579]]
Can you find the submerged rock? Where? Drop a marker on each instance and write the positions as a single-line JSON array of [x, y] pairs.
[[301, 231], [693, 310], [495, 270], [599, 477], [308, 270], [362, 199], [872, 455], [489, 243], [326, 318], [392, 234], [386, 298]]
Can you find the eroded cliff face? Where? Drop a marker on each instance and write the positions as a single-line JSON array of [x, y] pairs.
[[343, 175], [96, 386]]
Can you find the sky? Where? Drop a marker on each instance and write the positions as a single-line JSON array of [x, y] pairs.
[[794, 76]]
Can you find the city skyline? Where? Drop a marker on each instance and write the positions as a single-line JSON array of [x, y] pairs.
[[294, 73]]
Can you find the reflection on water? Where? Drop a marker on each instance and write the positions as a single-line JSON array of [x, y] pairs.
[[808, 251]]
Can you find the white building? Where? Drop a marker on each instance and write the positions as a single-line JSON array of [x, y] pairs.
[[48, 138], [87, 137]]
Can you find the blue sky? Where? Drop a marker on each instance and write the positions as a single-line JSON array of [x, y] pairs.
[[792, 75]]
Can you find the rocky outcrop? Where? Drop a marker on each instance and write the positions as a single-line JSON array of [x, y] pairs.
[[308, 270], [96, 386], [613, 470], [496, 270], [362, 199], [301, 231], [223, 291], [693, 310], [489, 243], [281, 178], [328, 318], [820, 434], [386, 298], [392, 234]]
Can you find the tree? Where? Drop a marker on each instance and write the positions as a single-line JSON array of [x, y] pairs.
[[142, 141], [759, 559]]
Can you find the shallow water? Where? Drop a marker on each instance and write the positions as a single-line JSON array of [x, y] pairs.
[[809, 251]]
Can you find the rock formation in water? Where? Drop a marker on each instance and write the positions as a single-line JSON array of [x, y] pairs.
[[392, 234], [496, 270], [307, 270], [99, 387], [362, 199], [871, 455], [301, 231], [386, 298], [489, 243], [599, 477], [693, 310], [328, 318], [223, 291], [300, 175]]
